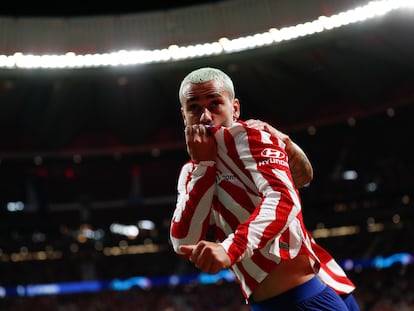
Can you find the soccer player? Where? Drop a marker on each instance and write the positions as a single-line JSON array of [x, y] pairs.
[[238, 186]]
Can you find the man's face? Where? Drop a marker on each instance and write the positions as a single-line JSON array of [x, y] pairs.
[[208, 103]]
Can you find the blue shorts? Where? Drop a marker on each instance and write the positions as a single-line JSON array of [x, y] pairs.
[[350, 302], [310, 296]]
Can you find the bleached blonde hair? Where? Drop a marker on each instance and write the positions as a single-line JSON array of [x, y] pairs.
[[206, 74]]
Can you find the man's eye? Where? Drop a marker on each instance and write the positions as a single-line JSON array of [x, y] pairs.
[[193, 107], [213, 105]]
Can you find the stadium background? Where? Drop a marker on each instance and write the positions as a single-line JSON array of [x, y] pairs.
[[89, 157]]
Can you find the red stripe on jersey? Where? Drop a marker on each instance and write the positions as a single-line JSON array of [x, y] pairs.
[[239, 245], [248, 279], [326, 258], [239, 195], [263, 262]]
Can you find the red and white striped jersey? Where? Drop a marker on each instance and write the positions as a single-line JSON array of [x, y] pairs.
[[248, 199]]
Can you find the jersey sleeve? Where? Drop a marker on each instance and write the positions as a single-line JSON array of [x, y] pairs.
[[264, 162], [191, 216]]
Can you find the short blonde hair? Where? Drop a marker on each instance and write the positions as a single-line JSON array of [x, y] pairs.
[[206, 74]]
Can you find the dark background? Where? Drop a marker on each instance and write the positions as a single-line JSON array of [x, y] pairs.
[[99, 146]]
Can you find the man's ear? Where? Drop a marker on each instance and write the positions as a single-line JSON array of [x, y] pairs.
[[236, 109]]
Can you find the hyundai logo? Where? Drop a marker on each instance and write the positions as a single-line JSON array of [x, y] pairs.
[[272, 153]]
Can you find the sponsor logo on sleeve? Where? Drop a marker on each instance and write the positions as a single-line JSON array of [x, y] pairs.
[[273, 156]]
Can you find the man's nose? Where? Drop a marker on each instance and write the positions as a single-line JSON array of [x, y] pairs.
[[205, 116]]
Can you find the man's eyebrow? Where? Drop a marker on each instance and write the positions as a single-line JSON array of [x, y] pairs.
[[209, 96], [192, 99]]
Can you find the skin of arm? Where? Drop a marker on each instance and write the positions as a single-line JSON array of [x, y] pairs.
[[300, 166]]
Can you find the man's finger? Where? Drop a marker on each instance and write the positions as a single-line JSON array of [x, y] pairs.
[[187, 249]]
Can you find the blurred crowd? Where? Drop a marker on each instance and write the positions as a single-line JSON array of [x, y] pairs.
[[390, 289]]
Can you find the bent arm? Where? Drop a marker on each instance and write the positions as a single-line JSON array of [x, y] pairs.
[[300, 166]]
